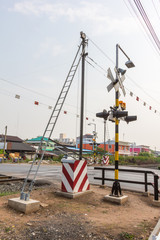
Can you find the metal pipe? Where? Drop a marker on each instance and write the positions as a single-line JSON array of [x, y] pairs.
[[123, 51], [82, 96], [104, 136], [156, 187], [4, 141]]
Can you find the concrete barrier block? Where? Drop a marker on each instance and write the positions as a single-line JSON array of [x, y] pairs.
[[24, 206], [118, 200]]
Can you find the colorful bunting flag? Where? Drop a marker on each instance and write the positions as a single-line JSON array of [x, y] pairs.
[[17, 96], [36, 103]]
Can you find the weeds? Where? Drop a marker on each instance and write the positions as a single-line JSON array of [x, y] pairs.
[[125, 235], [7, 193]]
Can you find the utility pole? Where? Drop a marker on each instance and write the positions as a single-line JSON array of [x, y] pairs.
[[4, 140], [104, 136], [83, 36]]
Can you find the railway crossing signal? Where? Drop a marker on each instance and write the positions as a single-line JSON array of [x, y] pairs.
[[118, 112], [103, 114], [130, 118]]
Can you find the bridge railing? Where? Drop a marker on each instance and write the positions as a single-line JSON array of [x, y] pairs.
[[146, 183]]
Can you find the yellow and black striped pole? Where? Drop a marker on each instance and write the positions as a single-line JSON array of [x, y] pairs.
[[116, 189], [116, 140]]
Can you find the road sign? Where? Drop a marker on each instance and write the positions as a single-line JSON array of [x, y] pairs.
[[121, 80], [114, 83]]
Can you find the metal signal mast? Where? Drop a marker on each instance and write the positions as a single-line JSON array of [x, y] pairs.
[[25, 192]]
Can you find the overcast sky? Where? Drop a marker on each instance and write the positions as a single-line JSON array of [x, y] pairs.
[[38, 42]]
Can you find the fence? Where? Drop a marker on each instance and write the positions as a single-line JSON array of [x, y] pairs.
[[145, 183]]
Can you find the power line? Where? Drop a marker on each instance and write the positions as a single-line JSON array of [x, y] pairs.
[[25, 88], [155, 9], [105, 75], [143, 26], [97, 65], [147, 22], [101, 50], [125, 87], [95, 68], [33, 91]]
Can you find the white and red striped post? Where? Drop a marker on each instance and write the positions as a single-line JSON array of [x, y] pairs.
[[105, 160], [74, 176]]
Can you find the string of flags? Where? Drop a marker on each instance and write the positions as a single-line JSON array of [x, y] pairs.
[[77, 116], [138, 99], [35, 102], [50, 107], [144, 103], [131, 93]]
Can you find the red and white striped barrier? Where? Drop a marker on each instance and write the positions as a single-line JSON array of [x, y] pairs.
[[74, 176], [105, 160]]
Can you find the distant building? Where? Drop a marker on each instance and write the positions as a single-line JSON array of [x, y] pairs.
[[135, 150], [15, 144], [64, 140], [109, 146], [36, 141], [124, 147], [48, 146], [87, 141]]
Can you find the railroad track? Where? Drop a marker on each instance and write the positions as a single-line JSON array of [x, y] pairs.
[[4, 179]]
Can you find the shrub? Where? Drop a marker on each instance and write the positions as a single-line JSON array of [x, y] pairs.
[[57, 158]]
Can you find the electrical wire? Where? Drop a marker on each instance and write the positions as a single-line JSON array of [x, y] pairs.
[[155, 100], [94, 62], [127, 88], [33, 91], [97, 64], [101, 50], [25, 88], [95, 68], [147, 22], [155, 9], [149, 39]]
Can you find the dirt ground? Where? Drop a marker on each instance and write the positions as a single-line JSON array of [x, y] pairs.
[[86, 217]]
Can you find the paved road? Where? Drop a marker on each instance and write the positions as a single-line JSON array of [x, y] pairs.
[[53, 173]]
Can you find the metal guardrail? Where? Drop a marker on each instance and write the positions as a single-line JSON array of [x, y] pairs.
[[145, 183]]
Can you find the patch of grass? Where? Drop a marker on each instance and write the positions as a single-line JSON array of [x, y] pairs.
[[125, 235], [105, 211], [7, 193], [7, 229]]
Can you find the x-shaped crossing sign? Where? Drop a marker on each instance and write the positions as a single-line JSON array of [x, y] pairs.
[[115, 83]]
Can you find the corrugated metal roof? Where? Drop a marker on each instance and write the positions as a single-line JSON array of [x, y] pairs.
[[20, 147], [38, 139], [10, 138]]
